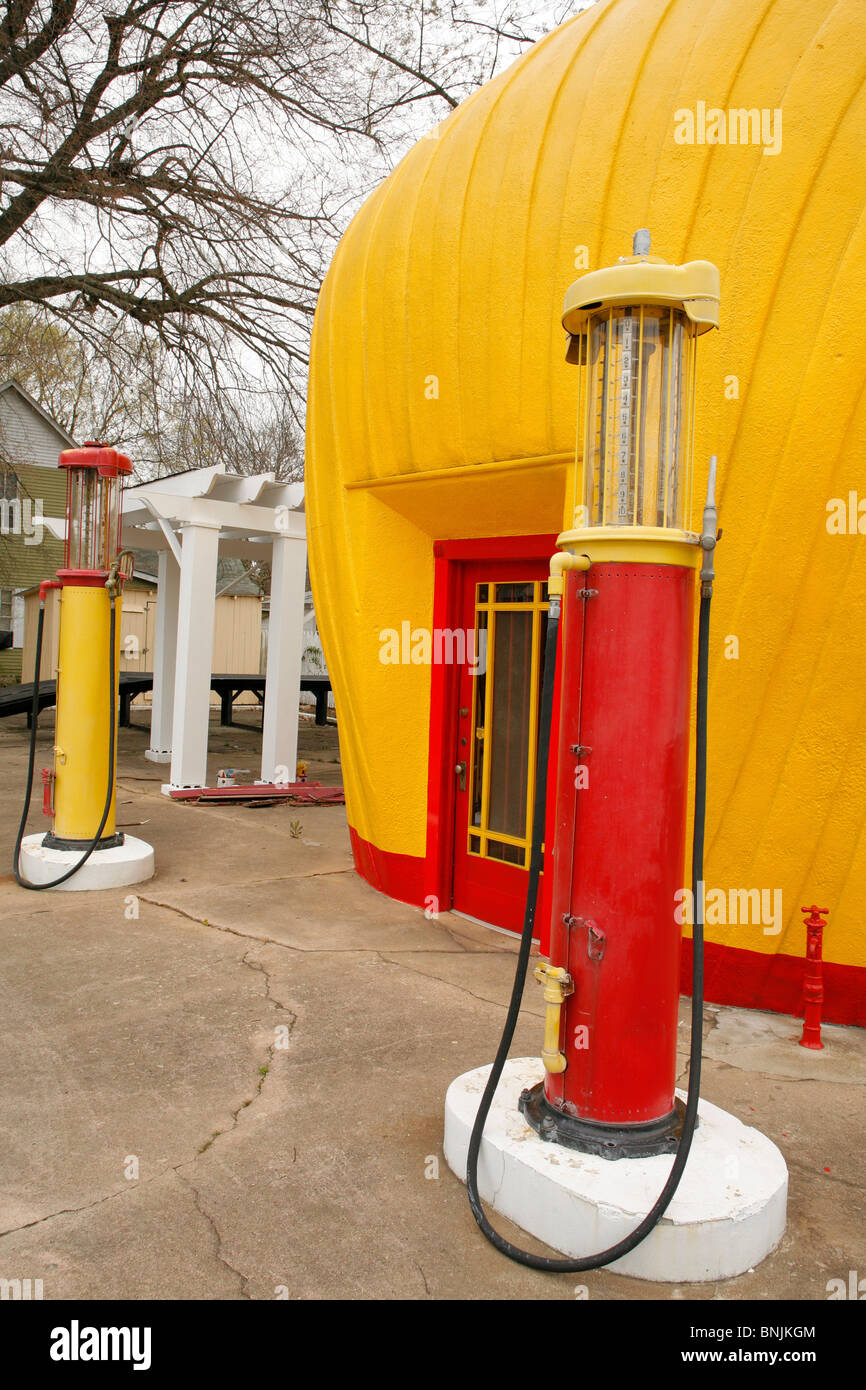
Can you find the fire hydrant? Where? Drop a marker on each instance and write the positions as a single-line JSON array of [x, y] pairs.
[[813, 983]]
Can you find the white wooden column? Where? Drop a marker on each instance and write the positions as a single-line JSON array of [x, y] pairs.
[[194, 655], [164, 657], [285, 647]]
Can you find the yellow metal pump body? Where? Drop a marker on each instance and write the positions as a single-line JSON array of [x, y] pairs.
[[83, 711]]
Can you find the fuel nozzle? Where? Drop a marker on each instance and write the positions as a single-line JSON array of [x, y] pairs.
[[119, 568], [709, 532]]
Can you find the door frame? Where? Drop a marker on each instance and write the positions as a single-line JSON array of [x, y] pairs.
[[449, 558]]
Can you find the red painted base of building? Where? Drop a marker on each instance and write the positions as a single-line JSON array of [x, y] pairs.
[[752, 980], [399, 876], [747, 979]]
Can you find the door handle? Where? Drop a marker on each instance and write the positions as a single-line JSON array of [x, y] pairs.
[[460, 770]]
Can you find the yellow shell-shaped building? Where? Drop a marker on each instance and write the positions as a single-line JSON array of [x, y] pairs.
[[442, 425]]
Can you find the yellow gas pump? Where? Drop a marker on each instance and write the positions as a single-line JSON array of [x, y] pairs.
[[87, 689]]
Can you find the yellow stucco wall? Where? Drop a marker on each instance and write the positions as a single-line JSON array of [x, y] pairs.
[[456, 269]]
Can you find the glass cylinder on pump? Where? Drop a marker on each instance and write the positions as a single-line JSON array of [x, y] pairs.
[[640, 380], [93, 509]]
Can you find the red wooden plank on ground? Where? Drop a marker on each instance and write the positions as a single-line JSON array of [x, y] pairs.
[[298, 793]]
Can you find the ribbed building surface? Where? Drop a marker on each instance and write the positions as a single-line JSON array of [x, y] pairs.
[[441, 405]]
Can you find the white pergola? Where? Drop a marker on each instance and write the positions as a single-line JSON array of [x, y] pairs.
[[191, 519]]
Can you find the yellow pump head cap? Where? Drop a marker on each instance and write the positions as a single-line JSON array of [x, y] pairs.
[[645, 279]]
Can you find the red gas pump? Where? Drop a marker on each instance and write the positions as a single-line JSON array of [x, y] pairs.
[[622, 589], [622, 761]]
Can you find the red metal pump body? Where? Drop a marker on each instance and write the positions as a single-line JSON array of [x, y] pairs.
[[620, 826]]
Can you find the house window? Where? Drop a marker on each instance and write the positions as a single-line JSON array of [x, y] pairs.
[[6, 597], [10, 503], [12, 617], [9, 487], [18, 620]]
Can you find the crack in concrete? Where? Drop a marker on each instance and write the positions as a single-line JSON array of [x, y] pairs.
[[175, 1168], [451, 984], [251, 935], [455, 935], [800, 1167], [243, 1279], [290, 878], [432, 951], [783, 1078], [74, 1211], [264, 1069], [217, 926], [262, 970], [169, 1168]]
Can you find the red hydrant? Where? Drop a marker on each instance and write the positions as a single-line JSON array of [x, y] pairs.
[[813, 983]]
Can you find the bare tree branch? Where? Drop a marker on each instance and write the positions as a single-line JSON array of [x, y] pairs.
[[174, 174]]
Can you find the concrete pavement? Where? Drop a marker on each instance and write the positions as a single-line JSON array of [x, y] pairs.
[[230, 1084]]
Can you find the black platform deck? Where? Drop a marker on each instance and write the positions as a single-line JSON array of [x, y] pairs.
[[18, 699]]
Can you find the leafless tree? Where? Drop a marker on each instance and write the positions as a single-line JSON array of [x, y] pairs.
[[173, 173]]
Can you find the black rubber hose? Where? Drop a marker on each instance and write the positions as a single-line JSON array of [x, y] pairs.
[[654, 1215], [34, 720]]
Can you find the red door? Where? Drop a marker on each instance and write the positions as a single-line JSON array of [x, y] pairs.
[[504, 602]]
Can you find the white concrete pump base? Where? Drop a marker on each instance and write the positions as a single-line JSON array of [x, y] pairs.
[[131, 862], [727, 1214]]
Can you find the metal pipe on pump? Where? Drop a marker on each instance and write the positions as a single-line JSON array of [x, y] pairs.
[[622, 590]]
